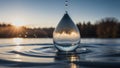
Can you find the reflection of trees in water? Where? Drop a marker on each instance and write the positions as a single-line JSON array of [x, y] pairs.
[[70, 58]]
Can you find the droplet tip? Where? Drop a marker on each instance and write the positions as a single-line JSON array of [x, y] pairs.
[[66, 12]]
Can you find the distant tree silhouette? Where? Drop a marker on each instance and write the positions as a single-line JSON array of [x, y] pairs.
[[87, 29], [4, 25], [107, 28], [118, 33], [49, 31]]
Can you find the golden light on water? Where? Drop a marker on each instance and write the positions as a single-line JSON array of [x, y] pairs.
[[17, 40], [18, 48], [17, 57], [73, 65], [72, 59]]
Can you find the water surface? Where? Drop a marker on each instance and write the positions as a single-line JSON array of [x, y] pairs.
[[40, 53]]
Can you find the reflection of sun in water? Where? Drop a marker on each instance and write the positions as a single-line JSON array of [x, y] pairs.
[[17, 57], [17, 40], [17, 48], [72, 59], [73, 65]]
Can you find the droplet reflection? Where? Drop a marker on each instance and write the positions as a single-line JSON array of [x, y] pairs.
[[69, 58]]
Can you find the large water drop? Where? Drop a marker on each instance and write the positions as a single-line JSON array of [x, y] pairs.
[[66, 36]]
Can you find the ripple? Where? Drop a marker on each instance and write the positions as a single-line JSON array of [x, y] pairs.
[[45, 54]]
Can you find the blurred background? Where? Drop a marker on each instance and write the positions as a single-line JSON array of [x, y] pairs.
[[38, 18]]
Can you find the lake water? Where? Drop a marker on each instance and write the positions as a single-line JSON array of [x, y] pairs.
[[49, 40], [40, 53]]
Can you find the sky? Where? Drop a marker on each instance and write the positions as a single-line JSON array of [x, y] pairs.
[[48, 13]]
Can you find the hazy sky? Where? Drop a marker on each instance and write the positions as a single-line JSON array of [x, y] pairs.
[[47, 13]]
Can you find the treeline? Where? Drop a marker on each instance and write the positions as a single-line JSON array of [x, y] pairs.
[[10, 31], [105, 28]]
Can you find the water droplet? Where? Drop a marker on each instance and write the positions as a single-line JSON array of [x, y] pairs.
[[66, 36]]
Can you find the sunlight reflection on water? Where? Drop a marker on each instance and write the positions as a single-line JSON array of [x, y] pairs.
[[6, 41], [17, 57], [17, 40], [22, 51], [17, 48]]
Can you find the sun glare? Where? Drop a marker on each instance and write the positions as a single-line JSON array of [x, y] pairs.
[[18, 22]]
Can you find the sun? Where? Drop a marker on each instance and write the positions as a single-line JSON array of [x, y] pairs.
[[18, 22]]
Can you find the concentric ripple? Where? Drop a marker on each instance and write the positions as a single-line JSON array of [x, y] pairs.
[[46, 54], [33, 51]]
